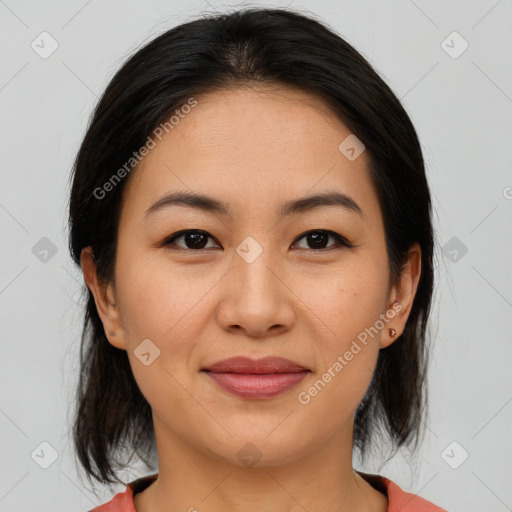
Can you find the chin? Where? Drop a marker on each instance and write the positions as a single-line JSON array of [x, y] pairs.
[[257, 450]]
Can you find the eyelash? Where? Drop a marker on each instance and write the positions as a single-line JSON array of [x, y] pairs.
[[341, 240]]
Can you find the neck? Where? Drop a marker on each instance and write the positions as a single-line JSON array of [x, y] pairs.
[[322, 480]]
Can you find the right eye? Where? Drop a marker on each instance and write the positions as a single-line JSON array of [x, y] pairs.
[[194, 239]]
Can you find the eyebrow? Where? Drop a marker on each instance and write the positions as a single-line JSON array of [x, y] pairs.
[[212, 205]]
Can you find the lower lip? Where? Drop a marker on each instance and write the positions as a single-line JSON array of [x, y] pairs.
[[257, 386]]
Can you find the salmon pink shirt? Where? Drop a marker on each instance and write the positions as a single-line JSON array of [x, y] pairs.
[[398, 500]]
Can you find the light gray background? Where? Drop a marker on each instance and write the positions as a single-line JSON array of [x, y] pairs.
[[462, 110]]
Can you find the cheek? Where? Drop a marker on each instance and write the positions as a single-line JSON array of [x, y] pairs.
[[159, 300], [350, 309], [331, 398], [346, 360], [350, 302], [162, 303]]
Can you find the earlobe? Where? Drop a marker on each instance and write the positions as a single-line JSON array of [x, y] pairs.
[[402, 297], [104, 300]]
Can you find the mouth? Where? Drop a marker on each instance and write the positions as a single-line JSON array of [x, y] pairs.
[[256, 379]]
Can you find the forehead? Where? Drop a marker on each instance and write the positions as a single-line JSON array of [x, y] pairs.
[[252, 146]]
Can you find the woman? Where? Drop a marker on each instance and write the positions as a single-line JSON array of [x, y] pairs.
[[251, 214]]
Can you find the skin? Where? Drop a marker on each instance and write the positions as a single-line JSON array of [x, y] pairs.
[[253, 149]]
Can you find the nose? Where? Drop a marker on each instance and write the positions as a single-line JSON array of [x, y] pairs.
[[256, 298]]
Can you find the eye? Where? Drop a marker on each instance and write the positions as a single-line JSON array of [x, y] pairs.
[[318, 238], [195, 239]]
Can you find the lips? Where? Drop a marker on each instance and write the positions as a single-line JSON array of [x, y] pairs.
[[256, 379], [246, 365]]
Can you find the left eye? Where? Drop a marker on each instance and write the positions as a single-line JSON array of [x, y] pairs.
[[195, 239], [319, 238]]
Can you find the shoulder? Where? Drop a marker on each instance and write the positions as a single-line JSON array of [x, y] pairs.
[[123, 501], [399, 500]]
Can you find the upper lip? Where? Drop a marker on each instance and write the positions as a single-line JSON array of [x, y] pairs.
[[270, 364]]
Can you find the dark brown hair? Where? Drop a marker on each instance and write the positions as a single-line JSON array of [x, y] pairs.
[[249, 46]]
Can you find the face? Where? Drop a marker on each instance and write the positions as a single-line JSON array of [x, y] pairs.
[[196, 286]]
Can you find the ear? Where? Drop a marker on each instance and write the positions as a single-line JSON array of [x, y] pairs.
[[104, 297], [401, 297]]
